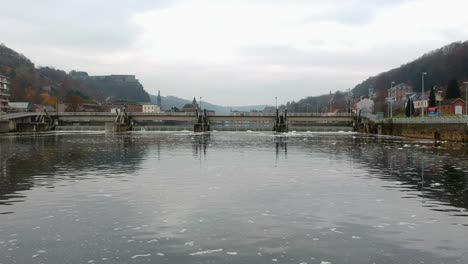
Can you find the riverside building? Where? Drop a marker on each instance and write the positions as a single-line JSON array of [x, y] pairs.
[[4, 93]]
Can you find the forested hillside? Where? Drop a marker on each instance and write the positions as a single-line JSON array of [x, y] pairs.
[[46, 85]]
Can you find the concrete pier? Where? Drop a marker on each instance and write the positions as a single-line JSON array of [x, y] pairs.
[[117, 127], [4, 127], [281, 125], [202, 125]]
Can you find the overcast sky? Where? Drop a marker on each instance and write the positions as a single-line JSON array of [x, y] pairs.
[[234, 52]]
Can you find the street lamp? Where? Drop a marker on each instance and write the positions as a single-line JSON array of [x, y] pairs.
[[276, 102], [422, 94], [200, 103], [466, 98]]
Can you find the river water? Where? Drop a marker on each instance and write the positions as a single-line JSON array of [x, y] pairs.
[[243, 197]]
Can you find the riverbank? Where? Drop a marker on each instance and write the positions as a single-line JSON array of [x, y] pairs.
[[447, 129]]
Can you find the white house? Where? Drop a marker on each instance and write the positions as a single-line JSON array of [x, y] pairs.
[[17, 107], [151, 108]]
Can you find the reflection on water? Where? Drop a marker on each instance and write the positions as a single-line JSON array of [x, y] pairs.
[[281, 146], [200, 143], [225, 197]]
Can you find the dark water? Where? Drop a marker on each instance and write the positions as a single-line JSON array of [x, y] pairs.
[[231, 198]]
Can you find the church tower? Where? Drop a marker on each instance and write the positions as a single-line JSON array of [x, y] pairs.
[[158, 99]]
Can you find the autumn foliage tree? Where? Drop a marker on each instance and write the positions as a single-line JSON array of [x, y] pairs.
[[49, 100], [73, 103]]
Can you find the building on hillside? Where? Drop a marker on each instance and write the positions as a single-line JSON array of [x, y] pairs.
[[439, 97], [78, 74], [18, 107], [93, 108], [40, 108], [371, 94], [399, 92], [115, 77], [150, 108], [418, 104], [193, 107], [62, 107], [456, 106], [128, 105], [4, 93]]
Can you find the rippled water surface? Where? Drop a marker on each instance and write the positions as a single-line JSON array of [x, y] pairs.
[[231, 198]]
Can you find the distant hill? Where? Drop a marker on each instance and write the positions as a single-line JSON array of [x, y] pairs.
[[172, 101], [441, 65], [30, 83]]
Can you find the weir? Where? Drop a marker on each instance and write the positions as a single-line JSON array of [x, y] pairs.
[[201, 121], [122, 122], [281, 125], [202, 125], [27, 122]]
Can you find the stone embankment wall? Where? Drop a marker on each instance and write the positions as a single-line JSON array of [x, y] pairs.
[[450, 132], [436, 131], [4, 127]]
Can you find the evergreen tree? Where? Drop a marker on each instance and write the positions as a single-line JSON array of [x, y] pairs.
[[409, 110], [432, 98], [453, 90]]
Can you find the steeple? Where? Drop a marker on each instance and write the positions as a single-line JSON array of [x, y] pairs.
[[194, 103], [158, 99]]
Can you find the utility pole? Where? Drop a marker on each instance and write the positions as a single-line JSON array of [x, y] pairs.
[[391, 101]]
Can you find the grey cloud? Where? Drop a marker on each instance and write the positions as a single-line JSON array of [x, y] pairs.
[[349, 16], [353, 12], [68, 35], [290, 56], [81, 25]]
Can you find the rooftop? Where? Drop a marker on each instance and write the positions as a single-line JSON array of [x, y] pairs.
[[451, 101], [19, 104]]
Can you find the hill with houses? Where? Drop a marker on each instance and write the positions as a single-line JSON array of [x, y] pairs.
[[449, 63]]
